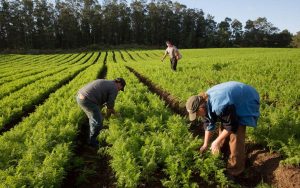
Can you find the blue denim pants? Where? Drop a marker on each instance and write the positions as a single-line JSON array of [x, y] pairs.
[[95, 119]]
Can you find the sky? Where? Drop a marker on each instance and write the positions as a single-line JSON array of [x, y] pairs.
[[283, 14]]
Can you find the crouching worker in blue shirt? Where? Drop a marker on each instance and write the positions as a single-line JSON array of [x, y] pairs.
[[235, 105], [94, 95]]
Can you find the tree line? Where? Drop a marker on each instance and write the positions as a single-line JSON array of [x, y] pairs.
[[69, 24]]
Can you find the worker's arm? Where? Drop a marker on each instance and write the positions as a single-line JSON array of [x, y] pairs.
[[215, 145], [177, 54], [209, 126], [207, 137], [166, 53], [111, 103], [230, 123]]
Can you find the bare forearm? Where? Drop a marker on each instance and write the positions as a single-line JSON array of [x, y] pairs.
[[223, 135], [207, 137]]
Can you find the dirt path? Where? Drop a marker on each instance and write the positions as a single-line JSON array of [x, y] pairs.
[[88, 168]]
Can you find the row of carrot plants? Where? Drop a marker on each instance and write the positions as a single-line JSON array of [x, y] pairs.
[[147, 143], [14, 74], [14, 105], [273, 72], [18, 70], [10, 57], [32, 60], [52, 69], [37, 152], [13, 58]]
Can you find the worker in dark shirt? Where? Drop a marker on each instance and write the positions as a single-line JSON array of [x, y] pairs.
[[96, 94], [235, 105]]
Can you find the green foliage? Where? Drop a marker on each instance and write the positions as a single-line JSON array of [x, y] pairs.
[[292, 152], [14, 105], [13, 82], [37, 151], [147, 142], [264, 185], [273, 72]]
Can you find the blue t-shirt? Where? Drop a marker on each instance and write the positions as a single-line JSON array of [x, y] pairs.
[[232, 100]]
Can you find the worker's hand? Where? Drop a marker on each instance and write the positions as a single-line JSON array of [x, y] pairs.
[[109, 112], [215, 147], [203, 148], [117, 114]]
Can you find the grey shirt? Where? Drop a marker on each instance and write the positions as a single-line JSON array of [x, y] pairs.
[[101, 91]]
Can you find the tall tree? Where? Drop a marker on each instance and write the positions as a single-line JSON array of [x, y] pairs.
[[259, 32], [211, 31], [4, 23], [111, 22], [44, 24], [124, 23], [200, 29], [67, 29], [97, 25], [282, 39], [224, 33], [250, 34], [138, 10], [263, 26], [88, 13], [296, 40], [237, 32], [189, 28], [27, 23], [153, 24], [14, 28], [78, 23], [176, 22]]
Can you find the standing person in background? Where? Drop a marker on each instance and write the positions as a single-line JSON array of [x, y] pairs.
[[173, 53], [235, 105], [94, 95]]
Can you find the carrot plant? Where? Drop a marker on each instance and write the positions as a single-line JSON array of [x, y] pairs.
[[51, 70], [14, 105], [18, 75], [148, 143], [30, 62], [36, 153], [273, 72]]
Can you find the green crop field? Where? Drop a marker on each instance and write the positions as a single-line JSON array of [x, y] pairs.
[[147, 142]]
